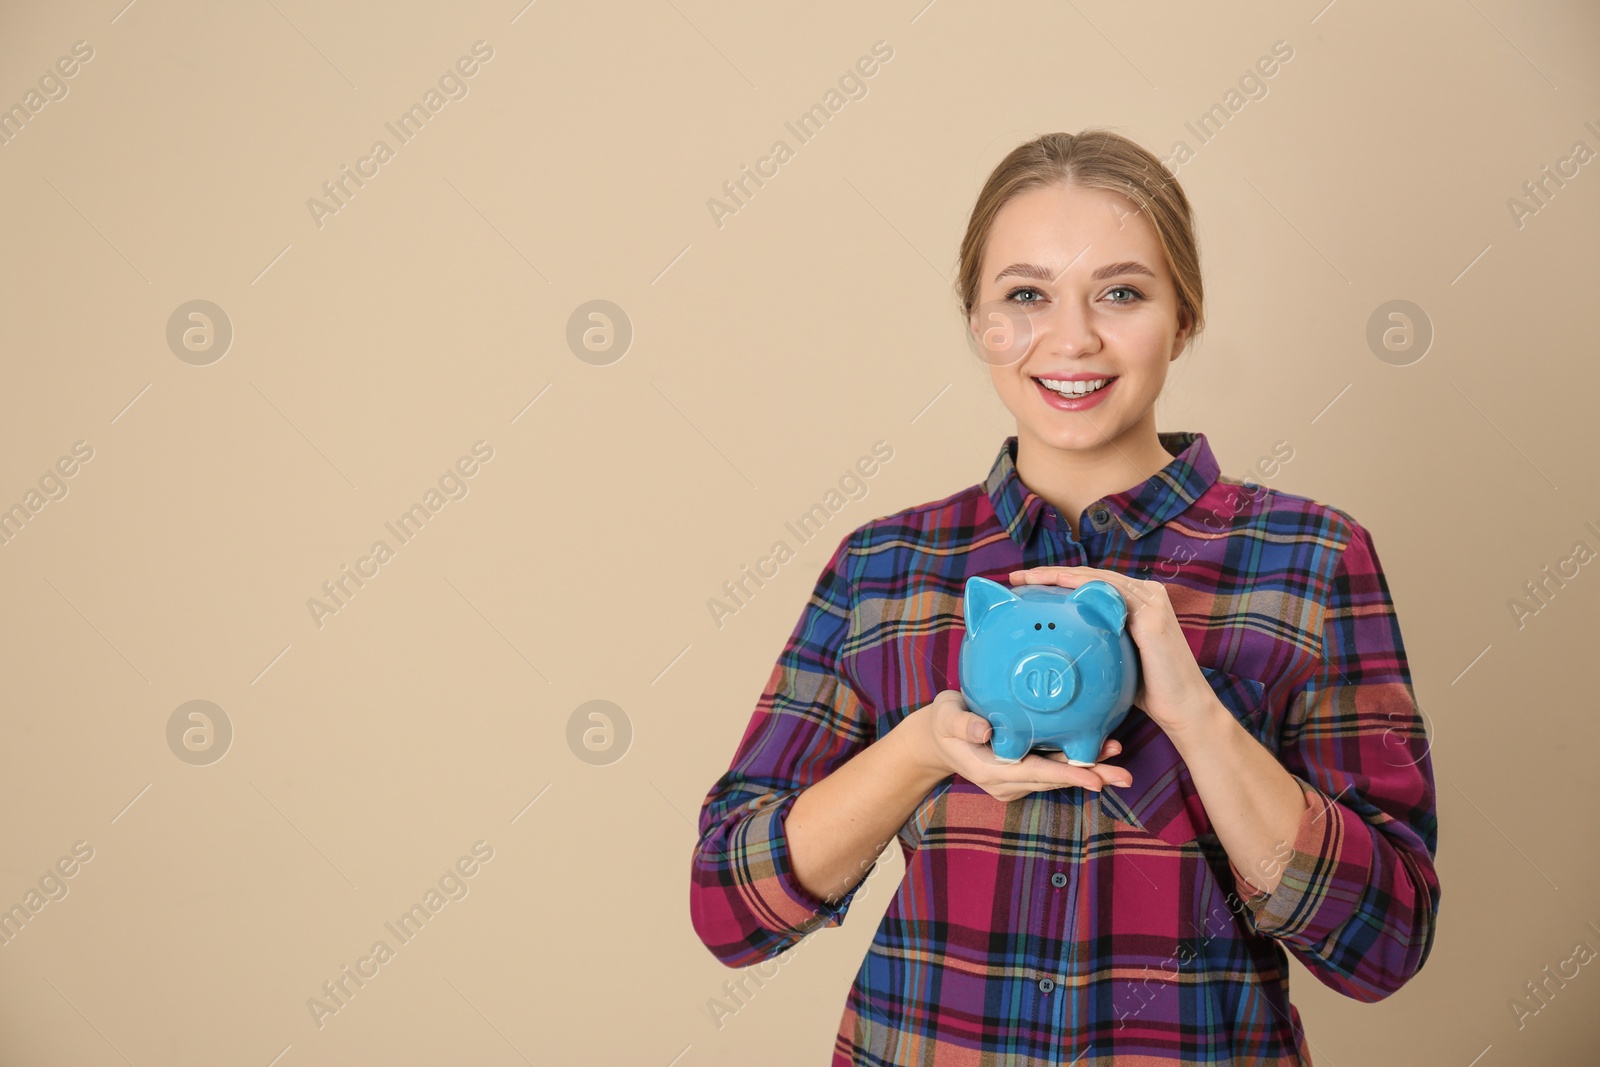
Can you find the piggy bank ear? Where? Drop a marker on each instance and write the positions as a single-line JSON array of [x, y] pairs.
[[982, 596], [1100, 602]]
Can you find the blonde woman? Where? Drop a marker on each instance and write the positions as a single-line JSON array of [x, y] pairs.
[[1271, 791]]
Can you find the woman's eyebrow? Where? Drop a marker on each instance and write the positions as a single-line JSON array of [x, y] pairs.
[[1110, 270]]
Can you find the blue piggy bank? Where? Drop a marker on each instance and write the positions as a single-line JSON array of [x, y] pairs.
[[1049, 667]]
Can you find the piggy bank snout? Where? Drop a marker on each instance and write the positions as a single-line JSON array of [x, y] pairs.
[[1043, 680]]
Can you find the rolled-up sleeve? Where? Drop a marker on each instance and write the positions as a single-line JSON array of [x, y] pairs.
[[745, 902], [1359, 896]]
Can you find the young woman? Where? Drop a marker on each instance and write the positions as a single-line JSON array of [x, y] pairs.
[[1271, 790]]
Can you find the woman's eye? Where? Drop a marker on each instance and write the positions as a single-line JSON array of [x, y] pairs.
[[1015, 295]]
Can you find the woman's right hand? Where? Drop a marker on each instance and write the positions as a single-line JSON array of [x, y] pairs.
[[954, 740]]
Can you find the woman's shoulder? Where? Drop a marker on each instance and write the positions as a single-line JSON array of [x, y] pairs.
[[886, 543], [1263, 506], [949, 515]]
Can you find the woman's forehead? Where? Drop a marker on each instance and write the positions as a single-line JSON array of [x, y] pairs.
[[1061, 227]]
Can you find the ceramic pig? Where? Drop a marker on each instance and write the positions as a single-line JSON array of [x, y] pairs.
[[1049, 667]]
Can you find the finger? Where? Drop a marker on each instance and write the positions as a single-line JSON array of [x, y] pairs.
[[1114, 775], [1107, 773], [1047, 773], [1053, 577], [1036, 785], [1038, 771], [977, 728], [1044, 575], [1079, 575]]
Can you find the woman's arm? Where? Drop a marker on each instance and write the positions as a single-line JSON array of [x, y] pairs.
[[745, 902], [814, 793], [838, 826], [1254, 805], [1340, 867], [1355, 895]]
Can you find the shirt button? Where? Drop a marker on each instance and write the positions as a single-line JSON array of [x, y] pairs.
[[1058, 879], [1047, 984], [1100, 517]]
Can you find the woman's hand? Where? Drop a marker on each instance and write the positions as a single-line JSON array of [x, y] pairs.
[[951, 739], [1172, 690]]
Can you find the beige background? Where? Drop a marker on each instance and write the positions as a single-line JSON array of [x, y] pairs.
[[369, 353]]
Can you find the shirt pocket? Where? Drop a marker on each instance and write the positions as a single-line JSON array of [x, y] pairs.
[[1162, 800]]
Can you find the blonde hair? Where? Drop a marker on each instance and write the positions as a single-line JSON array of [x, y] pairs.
[[1093, 159]]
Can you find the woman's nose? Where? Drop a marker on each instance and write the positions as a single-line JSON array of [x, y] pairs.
[[1065, 328]]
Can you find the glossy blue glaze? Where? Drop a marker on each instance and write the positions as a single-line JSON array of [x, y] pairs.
[[1063, 688]]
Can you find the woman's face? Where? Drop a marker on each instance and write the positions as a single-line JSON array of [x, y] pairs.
[[1075, 286]]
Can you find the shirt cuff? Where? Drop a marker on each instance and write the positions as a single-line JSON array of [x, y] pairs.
[[766, 878], [1323, 879]]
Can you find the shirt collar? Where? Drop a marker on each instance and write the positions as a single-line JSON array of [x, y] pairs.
[[1140, 508]]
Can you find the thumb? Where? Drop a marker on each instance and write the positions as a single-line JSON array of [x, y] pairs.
[[978, 728]]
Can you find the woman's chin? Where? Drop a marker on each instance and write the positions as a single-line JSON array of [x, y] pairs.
[[1073, 431]]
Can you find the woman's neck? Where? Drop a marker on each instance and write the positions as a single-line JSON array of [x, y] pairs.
[[1072, 479]]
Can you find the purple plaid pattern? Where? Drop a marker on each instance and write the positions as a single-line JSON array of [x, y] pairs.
[[1066, 926]]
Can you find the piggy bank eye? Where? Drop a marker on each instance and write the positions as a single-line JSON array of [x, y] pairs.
[[1036, 626], [1052, 626]]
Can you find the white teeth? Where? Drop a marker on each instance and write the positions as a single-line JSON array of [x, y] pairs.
[[1073, 388]]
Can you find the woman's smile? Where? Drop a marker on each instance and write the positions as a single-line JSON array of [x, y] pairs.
[[1074, 393]]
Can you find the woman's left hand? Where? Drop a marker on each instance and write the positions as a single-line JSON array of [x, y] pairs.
[[1172, 690]]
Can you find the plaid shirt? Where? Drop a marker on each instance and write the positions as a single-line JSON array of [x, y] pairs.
[[1069, 927]]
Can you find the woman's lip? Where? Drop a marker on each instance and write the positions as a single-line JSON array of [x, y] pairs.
[[1080, 403]]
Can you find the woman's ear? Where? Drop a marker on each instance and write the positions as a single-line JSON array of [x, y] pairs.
[[975, 335], [1180, 340]]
